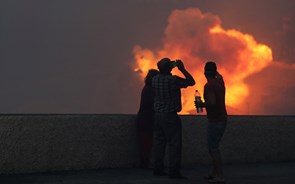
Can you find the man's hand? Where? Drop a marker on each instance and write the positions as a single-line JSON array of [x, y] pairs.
[[199, 104], [180, 65]]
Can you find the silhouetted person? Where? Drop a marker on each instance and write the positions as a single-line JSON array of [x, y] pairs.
[[145, 119], [214, 96], [168, 129]]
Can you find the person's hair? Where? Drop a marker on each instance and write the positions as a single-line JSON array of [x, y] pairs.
[[210, 69], [150, 75], [165, 65]]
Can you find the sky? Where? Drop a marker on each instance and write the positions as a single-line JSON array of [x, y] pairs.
[[77, 56]]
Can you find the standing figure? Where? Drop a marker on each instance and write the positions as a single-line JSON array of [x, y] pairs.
[[145, 119], [214, 96], [168, 128]]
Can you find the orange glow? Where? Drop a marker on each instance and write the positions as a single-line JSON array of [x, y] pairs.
[[196, 37]]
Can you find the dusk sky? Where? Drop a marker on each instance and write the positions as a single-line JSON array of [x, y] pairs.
[[77, 56]]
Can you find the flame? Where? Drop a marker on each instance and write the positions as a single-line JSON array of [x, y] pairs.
[[196, 37], [252, 59]]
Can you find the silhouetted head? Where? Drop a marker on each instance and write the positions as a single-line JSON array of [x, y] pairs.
[[150, 75], [165, 65], [210, 69]]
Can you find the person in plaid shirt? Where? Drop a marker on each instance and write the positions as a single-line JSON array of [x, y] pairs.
[[167, 128]]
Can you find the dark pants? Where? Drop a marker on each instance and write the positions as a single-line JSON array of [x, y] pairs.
[[145, 146], [167, 131]]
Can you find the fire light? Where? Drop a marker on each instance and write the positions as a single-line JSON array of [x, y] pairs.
[[197, 37]]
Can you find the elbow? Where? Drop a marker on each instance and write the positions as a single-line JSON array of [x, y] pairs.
[[192, 83]]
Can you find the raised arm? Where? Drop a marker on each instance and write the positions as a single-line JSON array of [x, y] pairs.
[[188, 77]]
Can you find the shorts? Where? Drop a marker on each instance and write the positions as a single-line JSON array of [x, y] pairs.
[[215, 131]]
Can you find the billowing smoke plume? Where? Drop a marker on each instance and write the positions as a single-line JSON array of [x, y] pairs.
[[196, 37]]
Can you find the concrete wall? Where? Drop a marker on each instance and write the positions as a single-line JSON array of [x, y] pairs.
[[39, 143]]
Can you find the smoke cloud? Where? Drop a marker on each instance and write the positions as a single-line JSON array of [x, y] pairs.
[[247, 66], [74, 56], [272, 90]]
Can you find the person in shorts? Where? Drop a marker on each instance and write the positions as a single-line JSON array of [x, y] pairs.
[[214, 96]]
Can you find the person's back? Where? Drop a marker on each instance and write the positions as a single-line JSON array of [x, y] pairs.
[[167, 93], [218, 112], [145, 115], [168, 129], [145, 119]]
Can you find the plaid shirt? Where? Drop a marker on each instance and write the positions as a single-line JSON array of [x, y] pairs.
[[167, 92]]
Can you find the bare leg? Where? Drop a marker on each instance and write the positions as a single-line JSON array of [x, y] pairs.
[[217, 164]]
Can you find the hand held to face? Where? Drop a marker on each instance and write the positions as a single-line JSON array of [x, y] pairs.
[[180, 65]]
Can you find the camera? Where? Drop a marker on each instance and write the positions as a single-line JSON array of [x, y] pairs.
[[174, 63]]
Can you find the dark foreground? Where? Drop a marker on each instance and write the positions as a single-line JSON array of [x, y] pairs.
[[266, 173]]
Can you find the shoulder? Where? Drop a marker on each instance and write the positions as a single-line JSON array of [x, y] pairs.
[[215, 85], [175, 77], [210, 86]]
